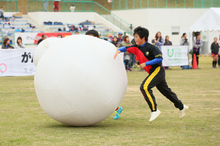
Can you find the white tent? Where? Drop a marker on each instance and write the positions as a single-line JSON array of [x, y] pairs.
[[209, 26], [210, 21]]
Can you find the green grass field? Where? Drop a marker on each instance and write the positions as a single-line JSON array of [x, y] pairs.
[[23, 122]]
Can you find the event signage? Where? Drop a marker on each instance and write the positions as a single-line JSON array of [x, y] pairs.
[[175, 55], [16, 62]]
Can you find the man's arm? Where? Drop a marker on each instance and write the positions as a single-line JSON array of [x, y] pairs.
[[152, 62]]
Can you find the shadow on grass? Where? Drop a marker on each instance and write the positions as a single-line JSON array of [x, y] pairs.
[[115, 124]]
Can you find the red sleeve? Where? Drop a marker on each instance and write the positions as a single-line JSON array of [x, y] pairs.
[[132, 49], [139, 55], [147, 68]]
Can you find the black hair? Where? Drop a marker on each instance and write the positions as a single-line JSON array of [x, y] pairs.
[[197, 34], [158, 37], [93, 33], [183, 34], [141, 32], [43, 35], [60, 35], [19, 38], [166, 37]]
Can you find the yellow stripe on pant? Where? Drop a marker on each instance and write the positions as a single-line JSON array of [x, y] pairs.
[[146, 84]]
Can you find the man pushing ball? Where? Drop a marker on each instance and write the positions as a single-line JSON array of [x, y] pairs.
[[150, 59]]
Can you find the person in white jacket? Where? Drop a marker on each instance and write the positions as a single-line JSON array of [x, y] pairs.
[[197, 45], [19, 44], [72, 8]]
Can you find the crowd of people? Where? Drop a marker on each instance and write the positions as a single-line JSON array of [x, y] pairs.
[[158, 41]]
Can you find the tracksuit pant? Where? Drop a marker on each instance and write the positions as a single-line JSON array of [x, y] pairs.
[[157, 78], [197, 57]]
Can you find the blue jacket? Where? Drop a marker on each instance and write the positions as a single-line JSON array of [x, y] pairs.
[[159, 44]]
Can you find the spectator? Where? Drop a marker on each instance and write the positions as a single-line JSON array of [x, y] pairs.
[[115, 41], [19, 44], [131, 27], [56, 5], [126, 42], [197, 44], [72, 8], [17, 30], [42, 38], [59, 36], [219, 54], [214, 53], [93, 33], [6, 44], [110, 38], [167, 41], [127, 56], [2, 13], [158, 41], [120, 39], [125, 34], [184, 40], [76, 32], [45, 5]]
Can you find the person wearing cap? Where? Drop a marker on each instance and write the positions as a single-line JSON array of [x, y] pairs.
[[120, 38]]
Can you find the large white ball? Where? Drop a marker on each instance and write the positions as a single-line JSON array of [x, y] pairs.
[[78, 82]]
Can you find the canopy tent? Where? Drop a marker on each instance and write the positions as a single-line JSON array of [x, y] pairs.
[[210, 21], [209, 26]]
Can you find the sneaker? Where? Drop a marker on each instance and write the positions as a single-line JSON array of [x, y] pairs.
[[117, 113], [183, 111], [214, 67], [154, 115]]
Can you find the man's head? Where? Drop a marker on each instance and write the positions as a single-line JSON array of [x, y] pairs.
[[59, 36], [198, 35], [76, 33], [215, 39], [140, 35], [44, 36], [93, 33], [119, 35]]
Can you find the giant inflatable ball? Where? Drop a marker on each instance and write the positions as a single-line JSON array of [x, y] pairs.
[[77, 80]]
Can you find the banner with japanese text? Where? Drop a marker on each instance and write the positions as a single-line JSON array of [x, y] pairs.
[[16, 62], [175, 55]]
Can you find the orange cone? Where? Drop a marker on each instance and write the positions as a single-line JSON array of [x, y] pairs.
[[195, 66]]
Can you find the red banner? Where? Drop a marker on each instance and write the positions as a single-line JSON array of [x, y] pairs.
[[55, 34]]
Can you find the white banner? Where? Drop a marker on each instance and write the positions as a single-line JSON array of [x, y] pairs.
[[27, 38], [16, 62], [175, 55]]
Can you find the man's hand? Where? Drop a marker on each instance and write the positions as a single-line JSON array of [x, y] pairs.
[[116, 54], [142, 65]]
